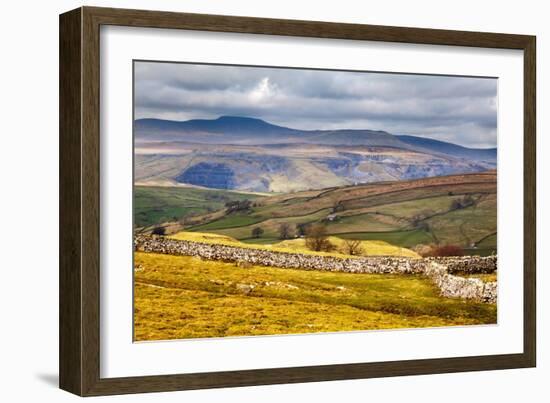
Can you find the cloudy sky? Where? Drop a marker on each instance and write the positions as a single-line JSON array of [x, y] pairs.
[[457, 109]]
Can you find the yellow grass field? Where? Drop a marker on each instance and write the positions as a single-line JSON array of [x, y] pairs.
[[178, 297]]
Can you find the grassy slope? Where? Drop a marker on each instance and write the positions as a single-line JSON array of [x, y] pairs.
[[184, 297], [154, 205], [269, 226], [406, 239], [382, 211], [368, 248]]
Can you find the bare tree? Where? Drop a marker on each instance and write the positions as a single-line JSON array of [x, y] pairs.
[[352, 247], [257, 232], [317, 239], [301, 229], [285, 231]]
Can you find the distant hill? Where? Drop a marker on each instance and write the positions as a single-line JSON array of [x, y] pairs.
[[245, 130], [238, 130], [223, 124], [248, 154], [442, 147]]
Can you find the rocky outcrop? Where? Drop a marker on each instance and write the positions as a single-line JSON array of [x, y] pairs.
[[441, 270], [210, 175]]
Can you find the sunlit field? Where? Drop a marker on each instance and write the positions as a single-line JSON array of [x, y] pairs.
[[178, 297]]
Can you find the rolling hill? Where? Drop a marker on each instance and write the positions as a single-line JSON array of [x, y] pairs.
[[158, 204], [442, 147], [455, 209], [245, 130], [250, 154]]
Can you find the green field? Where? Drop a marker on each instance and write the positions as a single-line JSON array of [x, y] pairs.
[[177, 297], [405, 213], [229, 221], [269, 226], [406, 239], [155, 205]]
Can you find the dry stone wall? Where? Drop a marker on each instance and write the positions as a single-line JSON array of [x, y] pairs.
[[467, 264], [461, 287], [441, 270], [373, 265]]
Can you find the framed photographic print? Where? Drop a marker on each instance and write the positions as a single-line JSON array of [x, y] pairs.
[[250, 201]]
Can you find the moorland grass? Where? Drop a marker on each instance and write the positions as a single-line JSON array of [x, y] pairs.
[[177, 297]]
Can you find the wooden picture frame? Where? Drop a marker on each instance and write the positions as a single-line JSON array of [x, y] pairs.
[[79, 346]]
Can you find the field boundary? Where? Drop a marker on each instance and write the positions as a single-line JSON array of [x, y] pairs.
[[441, 270]]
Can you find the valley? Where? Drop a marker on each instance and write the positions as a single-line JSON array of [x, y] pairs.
[[455, 209]]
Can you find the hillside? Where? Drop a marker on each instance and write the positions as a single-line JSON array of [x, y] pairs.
[[158, 204], [250, 154], [366, 248], [431, 145], [245, 130], [456, 209]]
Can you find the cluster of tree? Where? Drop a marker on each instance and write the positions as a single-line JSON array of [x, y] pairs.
[[238, 206], [463, 202], [285, 230], [317, 238]]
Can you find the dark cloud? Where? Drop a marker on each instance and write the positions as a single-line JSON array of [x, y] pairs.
[[462, 110]]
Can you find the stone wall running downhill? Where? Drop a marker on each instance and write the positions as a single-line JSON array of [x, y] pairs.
[[440, 269], [461, 287]]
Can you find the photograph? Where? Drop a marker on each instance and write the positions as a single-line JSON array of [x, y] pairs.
[[279, 201]]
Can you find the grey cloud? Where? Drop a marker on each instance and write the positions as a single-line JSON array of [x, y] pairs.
[[457, 109]]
